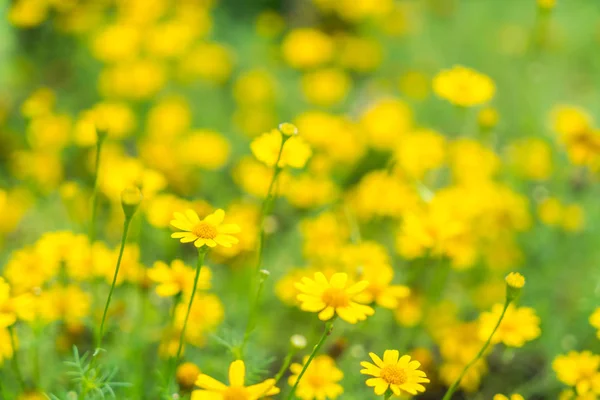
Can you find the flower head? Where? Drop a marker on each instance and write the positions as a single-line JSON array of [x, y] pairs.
[[334, 296], [519, 325], [578, 370], [213, 389], [295, 153], [512, 397], [399, 374], [515, 280], [178, 278], [209, 231], [464, 86], [320, 381], [186, 375]]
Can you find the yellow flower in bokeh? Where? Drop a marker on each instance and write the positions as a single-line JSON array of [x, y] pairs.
[[178, 278], [531, 158], [512, 397], [381, 290], [64, 303], [573, 218], [334, 296], [14, 307], [6, 347], [550, 211], [487, 118], [578, 369], [209, 231], [464, 86], [186, 375], [326, 87], [211, 388], [385, 122], [266, 147], [205, 315], [398, 374], [519, 325], [307, 48], [419, 152], [320, 380]]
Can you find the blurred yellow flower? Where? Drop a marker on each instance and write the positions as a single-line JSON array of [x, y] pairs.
[[320, 380], [307, 48], [464, 86], [531, 158], [186, 375], [579, 370], [398, 374], [334, 296], [326, 87], [69, 304], [236, 389], [519, 325], [512, 397], [205, 315], [385, 122], [177, 278], [266, 148], [595, 320], [209, 231]]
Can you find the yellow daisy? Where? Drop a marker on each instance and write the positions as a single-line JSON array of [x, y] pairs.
[[333, 297], [320, 381], [399, 374], [177, 278], [215, 390], [209, 231]]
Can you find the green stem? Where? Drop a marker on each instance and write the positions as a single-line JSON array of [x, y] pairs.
[[266, 208], [326, 333], [114, 282], [201, 253], [92, 231], [15, 358], [253, 311], [284, 367], [454, 386], [387, 395]]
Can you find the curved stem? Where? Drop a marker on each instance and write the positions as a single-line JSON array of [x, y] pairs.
[[387, 395], [326, 333], [114, 282], [454, 386], [15, 359]]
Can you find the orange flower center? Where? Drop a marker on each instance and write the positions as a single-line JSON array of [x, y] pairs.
[[335, 297], [393, 374], [317, 380], [235, 393], [204, 230]]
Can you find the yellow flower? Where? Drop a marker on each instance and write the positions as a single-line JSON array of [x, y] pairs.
[[515, 280], [573, 218], [326, 87], [320, 380], [385, 122], [186, 374], [213, 389], [209, 231], [487, 118], [520, 325], [6, 348], [531, 158], [512, 397], [14, 307], [333, 297], [178, 278], [266, 147], [464, 86], [64, 303], [550, 211], [307, 48], [595, 320], [394, 373], [579, 370]]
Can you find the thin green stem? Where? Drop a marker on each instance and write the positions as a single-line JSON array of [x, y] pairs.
[[15, 359], [326, 333], [201, 254], [253, 311], [266, 208], [454, 386], [387, 395], [92, 231], [114, 282]]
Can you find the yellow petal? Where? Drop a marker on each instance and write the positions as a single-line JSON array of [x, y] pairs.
[[237, 373]]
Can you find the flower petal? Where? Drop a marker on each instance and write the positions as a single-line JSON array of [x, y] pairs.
[[237, 373]]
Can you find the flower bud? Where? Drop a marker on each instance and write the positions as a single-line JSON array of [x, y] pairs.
[[187, 373], [131, 198], [514, 283], [288, 129], [298, 342]]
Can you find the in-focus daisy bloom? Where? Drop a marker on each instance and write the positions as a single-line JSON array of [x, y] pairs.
[[399, 374], [334, 296], [213, 389], [464, 86], [209, 231], [320, 381]]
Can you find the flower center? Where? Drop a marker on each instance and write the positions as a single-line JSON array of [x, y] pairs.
[[335, 297], [235, 393], [204, 230], [393, 374], [316, 380]]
